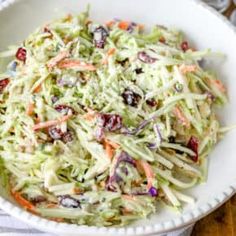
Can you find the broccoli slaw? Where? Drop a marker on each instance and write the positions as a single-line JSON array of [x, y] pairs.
[[100, 122]]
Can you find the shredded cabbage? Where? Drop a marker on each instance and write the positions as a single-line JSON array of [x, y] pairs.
[[100, 122]]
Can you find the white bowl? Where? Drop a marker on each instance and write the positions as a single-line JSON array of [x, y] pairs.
[[206, 29]]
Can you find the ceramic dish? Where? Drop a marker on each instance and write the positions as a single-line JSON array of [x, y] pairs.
[[205, 29]]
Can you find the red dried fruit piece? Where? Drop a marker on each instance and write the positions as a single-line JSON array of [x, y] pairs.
[[3, 84], [21, 54], [184, 46], [193, 144], [111, 122], [64, 109], [130, 97], [99, 37], [67, 137], [55, 133], [144, 57], [151, 102], [68, 201]]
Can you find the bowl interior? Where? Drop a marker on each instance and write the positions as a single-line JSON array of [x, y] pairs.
[[202, 28]]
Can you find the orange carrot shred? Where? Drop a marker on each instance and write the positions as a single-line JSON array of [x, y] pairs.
[[30, 109], [109, 150], [184, 69], [124, 25], [114, 145], [128, 197], [126, 211], [50, 123], [38, 89], [55, 60], [75, 64], [219, 85], [110, 52], [57, 219], [90, 115], [148, 172], [23, 202], [177, 112], [110, 23]]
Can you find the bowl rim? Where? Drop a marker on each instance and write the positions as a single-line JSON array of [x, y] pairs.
[[184, 220]]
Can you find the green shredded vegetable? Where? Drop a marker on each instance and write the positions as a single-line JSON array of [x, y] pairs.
[[99, 123]]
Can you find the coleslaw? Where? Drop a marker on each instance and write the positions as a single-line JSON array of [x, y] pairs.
[[100, 122]]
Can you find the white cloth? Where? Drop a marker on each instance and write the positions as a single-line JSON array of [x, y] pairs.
[[10, 226]]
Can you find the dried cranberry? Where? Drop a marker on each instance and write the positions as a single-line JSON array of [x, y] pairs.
[[99, 37], [21, 54], [184, 46], [151, 102], [124, 62], [38, 199], [3, 84], [131, 27], [131, 98], [64, 109], [144, 57], [138, 71], [193, 145], [111, 122], [68, 201], [67, 137], [171, 139], [55, 133]]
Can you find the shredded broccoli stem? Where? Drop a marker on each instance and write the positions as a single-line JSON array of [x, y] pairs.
[[100, 122]]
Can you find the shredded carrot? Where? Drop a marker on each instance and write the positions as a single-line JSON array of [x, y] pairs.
[[52, 205], [184, 69], [110, 52], [57, 219], [179, 114], [90, 115], [75, 64], [148, 172], [55, 60], [126, 211], [110, 147], [30, 109], [141, 27], [218, 84], [129, 197], [23, 202], [109, 150], [124, 25], [77, 190], [38, 89], [37, 120], [114, 145], [109, 24], [50, 123]]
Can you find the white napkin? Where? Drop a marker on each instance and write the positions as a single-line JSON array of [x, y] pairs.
[[12, 227]]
